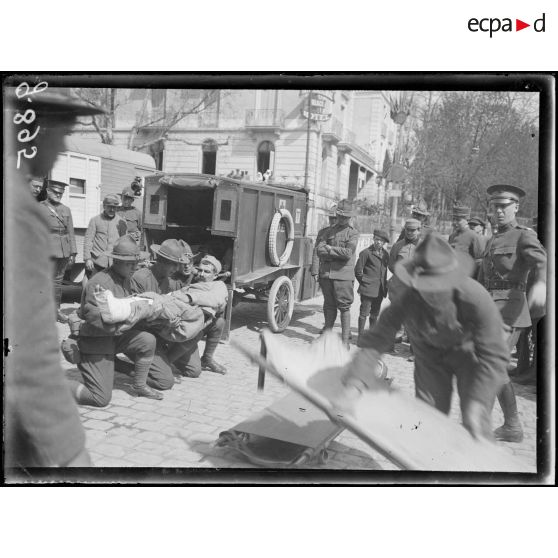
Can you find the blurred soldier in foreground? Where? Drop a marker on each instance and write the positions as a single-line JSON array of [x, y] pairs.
[[511, 253], [62, 238], [336, 251], [42, 424], [455, 330]]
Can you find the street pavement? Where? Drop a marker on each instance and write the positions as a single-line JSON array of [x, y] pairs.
[[181, 430]]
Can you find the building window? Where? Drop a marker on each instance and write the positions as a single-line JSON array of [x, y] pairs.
[[209, 157], [266, 157], [77, 186]]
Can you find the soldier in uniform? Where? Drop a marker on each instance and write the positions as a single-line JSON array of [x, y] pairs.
[[478, 226], [315, 268], [62, 238], [336, 251], [403, 249], [421, 214], [455, 330], [130, 214], [371, 274], [101, 235], [99, 342], [463, 238], [511, 253]]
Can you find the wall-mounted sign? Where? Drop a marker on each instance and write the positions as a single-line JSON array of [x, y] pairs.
[[317, 106]]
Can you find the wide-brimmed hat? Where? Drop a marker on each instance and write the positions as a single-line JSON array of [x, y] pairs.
[[50, 102], [213, 261], [505, 193], [420, 209], [435, 266], [187, 252], [170, 249], [381, 234], [56, 186], [345, 208], [332, 211], [126, 249], [461, 211]]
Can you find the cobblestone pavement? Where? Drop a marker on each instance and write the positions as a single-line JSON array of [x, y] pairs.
[[181, 430]]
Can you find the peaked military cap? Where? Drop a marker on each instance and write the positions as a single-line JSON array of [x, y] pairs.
[[56, 186], [412, 224], [461, 211], [505, 193], [476, 221]]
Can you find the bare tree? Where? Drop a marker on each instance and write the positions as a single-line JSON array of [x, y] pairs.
[[467, 140], [150, 126]]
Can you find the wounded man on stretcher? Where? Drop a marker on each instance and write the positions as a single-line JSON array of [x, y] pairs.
[[177, 316]]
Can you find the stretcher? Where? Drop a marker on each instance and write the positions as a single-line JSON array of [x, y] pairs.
[[289, 433], [407, 431]]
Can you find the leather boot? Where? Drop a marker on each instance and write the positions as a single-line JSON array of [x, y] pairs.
[[345, 327], [511, 430], [330, 314], [207, 360], [361, 326]]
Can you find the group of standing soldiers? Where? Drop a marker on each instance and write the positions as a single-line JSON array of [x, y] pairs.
[[116, 220], [447, 311]]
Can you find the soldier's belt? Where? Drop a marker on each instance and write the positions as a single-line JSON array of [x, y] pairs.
[[503, 285]]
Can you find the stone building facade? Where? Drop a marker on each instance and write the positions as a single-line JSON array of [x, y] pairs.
[[249, 133]]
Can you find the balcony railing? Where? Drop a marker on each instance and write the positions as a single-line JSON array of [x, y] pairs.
[[334, 128], [265, 118], [349, 136]]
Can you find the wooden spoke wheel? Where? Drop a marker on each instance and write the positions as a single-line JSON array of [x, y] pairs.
[[280, 304]]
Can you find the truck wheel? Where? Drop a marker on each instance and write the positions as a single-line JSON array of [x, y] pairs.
[[281, 214], [280, 304]]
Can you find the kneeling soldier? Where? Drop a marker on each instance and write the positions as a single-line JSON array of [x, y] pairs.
[[98, 342]]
